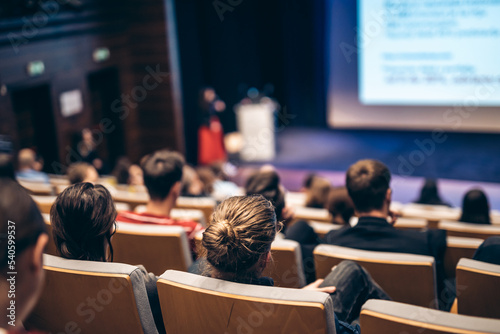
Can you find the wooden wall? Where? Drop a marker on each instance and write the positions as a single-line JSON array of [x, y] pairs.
[[140, 35]]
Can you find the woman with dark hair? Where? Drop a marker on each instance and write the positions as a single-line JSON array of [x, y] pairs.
[[475, 208], [429, 194], [238, 249], [83, 222], [22, 241], [340, 206]]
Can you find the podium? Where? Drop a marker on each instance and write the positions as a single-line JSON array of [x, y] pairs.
[[256, 125]]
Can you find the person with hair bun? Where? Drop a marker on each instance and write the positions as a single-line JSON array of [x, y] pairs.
[[237, 246], [83, 222]]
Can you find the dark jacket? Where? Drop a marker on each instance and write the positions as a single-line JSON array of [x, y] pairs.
[[489, 251]]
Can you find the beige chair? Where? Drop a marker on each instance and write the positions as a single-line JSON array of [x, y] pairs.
[[195, 304], [320, 215], [286, 268], [92, 297], [205, 204], [459, 229], [58, 180], [382, 316], [478, 289], [322, 228], [37, 188], [406, 278], [432, 213], [51, 248], [156, 247], [133, 199], [457, 248], [44, 203], [414, 224]]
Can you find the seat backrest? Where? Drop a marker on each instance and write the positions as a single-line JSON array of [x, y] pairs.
[[156, 247], [388, 317], [205, 204], [406, 278], [37, 188], [44, 203], [415, 224], [432, 213], [286, 268], [467, 230], [304, 213], [133, 199], [195, 304], [93, 297], [457, 248], [51, 248], [322, 228], [478, 291]]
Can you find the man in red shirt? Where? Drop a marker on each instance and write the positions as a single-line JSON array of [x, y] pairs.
[[162, 178]]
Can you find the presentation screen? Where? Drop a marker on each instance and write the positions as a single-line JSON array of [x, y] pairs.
[[414, 64]]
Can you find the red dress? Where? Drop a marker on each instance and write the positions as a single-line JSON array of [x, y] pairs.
[[211, 143]]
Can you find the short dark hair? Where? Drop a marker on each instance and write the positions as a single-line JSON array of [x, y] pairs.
[[267, 184], [83, 222], [77, 172], [162, 169], [367, 182]]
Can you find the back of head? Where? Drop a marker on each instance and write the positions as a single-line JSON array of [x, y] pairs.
[[17, 207], [121, 170], [207, 177], [162, 169], [308, 180], [267, 184], [83, 219], [81, 172], [318, 193], [475, 207], [26, 158], [242, 230], [340, 205], [429, 193], [367, 182]]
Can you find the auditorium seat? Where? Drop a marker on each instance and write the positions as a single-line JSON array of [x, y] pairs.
[[180, 214], [388, 317], [205, 204], [156, 247], [92, 297], [432, 213], [286, 268], [58, 180], [51, 245], [196, 304], [44, 203], [133, 199], [37, 188], [457, 248], [321, 215], [295, 199], [467, 230], [478, 289], [414, 224], [322, 228], [406, 278]]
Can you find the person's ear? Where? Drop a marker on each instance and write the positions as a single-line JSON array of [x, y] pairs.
[[176, 189], [265, 259], [36, 264], [388, 195]]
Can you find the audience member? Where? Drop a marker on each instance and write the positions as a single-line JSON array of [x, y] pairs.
[[238, 248], [136, 176], [340, 205], [317, 194], [20, 221], [6, 166], [82, 172], [191, 183], [429, 194], [489, 251], [26, 162], [87, 150], [306, 185], [121, 170], [83, 220], [162, 178], [368, 184], [475, 208]]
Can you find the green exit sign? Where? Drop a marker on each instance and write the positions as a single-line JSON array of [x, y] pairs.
[[35, 68]]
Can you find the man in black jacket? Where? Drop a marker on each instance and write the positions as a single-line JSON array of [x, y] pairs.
[[368, 184]]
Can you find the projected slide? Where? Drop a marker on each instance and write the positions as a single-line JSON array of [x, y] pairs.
[[429, 52]]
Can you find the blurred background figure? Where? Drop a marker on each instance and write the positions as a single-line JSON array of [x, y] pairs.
[[82, 172], [26, 163], [87, 150], [340, 206], [210, 134], [430, 194], [317, 195], [135, 176], [306, 184], [192, 186], [6, 159], [121, 170], [475, 208]]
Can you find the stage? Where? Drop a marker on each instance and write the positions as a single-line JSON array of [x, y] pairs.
[[460, 160]]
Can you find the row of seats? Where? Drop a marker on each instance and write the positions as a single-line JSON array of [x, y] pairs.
[[110, 297]]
